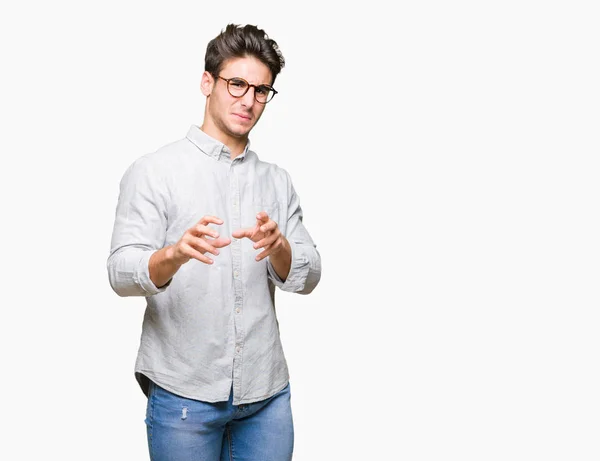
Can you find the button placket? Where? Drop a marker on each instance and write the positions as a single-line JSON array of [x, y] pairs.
[[236, 253]]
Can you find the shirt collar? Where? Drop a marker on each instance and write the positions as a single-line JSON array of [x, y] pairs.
[[211, 147]]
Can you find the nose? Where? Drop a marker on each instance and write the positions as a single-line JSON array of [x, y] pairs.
[[248, 99]]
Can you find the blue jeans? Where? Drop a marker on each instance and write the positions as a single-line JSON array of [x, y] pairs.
[[182, 429]]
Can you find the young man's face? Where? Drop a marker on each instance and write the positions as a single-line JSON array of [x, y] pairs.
[[236, 116]]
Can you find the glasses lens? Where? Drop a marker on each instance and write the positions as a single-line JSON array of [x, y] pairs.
[[237, 87], [264, 93]]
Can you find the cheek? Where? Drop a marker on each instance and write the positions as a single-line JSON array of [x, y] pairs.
[[219, 102], [258, 111], [219, 109]]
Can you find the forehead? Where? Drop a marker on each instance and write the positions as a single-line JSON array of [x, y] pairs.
[[249, 68]]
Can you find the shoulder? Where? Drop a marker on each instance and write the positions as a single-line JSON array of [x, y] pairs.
[[169, 153], [160, 162]]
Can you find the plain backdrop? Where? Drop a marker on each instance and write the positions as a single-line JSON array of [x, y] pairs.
[[446, 158]]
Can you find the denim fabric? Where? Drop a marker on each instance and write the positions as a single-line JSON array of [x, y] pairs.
[[182, 429]]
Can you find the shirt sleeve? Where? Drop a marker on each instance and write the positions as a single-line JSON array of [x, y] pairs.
[[139, 230], [305, 270]]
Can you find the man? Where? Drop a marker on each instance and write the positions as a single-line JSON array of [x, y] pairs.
[[206, 231]]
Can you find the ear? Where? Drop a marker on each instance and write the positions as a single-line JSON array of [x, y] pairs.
[[207, 83]]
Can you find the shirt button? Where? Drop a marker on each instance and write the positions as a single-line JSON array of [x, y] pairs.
[[238, 310], [238, 349], [236, 274]]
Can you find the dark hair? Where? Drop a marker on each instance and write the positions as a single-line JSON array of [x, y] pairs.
[[237, 41]]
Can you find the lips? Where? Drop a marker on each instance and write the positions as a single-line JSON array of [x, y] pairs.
[[242, 117]]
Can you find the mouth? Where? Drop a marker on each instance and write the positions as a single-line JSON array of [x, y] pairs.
[[242, 117]]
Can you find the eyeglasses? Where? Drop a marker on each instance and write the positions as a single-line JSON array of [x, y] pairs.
[[238, 87]]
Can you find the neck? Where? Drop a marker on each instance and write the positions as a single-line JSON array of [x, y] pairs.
[[236, 145]]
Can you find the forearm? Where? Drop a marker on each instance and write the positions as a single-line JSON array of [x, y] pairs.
[[139, 229], [304, 271], [282, 260], [128, 271], [162, 266]]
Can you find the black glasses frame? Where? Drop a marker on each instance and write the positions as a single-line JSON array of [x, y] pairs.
[[248, 87]]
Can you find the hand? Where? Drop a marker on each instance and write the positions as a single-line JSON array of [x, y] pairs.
[[194, 244], [265, 234]]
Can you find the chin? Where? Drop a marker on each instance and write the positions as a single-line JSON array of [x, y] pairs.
[[239, 131]]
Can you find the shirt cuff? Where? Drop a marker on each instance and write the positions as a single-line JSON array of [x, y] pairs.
[[143, 276], [298, 271]]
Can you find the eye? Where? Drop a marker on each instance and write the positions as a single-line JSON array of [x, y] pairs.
[[237, 83], [263, 90]]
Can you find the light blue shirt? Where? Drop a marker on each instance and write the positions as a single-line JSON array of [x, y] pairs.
[[214, 326]]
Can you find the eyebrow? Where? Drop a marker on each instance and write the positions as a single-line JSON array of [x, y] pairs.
[[255, 84]]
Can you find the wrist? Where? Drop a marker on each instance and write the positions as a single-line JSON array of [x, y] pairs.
[[170, 256]]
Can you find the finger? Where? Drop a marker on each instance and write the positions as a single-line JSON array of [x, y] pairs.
[[269, 226], [220, 242], [266, 241], [255, 233], [192, 252], [210, 219], [202, 245], [262, 216], [241, 233], [270, 249], [200, 230], [266, 252]]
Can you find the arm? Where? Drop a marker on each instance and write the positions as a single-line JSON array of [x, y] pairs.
[[162, 266], [282, 260], [139, 233], [303, 271], [167, 261]]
